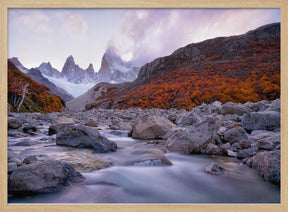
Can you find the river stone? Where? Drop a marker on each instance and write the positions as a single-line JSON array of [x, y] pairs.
[[60, 124], [265, 120], [152, 160], [247, 153], [265, 145], [235, 135], [192, 139], [151, 127], [215, 169], [42, 177], [268, 165], [188, 118], [30, 159], [84, 137], [91, 123], [231, 153], [14, 123], [234, 108], [11, 167], [29, 129], [245, 144], [212, 149]]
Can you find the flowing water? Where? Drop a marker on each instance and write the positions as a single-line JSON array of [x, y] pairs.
[[129, 181]]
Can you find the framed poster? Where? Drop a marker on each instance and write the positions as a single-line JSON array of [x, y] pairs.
[[143, 105]]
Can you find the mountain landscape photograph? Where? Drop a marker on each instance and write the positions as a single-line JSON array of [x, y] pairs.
[[144, 106]]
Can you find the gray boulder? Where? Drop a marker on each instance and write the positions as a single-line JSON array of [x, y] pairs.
[[14, 123], [61, 122], [188, 118], [265, 145], [234, 108], [215, 169], [265, 120], [84, 137], [268, 165], [48, 176], [235, 134], [151, 127], [274, 106], [247, 153], [215, 107], [192, 139]]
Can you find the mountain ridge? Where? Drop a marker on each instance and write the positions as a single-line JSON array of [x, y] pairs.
[[237, 68]]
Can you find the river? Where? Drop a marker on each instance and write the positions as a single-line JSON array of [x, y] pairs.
[[130, 182]]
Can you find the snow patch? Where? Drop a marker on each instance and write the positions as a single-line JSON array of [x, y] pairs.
[[74, 89]]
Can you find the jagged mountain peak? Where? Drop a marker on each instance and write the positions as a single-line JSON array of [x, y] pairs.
[[90, 68], [70, 58]]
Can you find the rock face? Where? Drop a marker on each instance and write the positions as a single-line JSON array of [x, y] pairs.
[[48, 176], [151, 127], [265, 120], [193, 138], [84, 137], [14, 123], [268, 165]]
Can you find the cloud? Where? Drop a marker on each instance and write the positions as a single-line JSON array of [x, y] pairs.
[[147, 34], [73, 24], [31, 21]]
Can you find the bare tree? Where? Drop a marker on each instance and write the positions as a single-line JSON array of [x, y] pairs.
[[24, 91]]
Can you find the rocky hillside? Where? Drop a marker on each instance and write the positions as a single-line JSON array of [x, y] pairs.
[[36, 75], [29, 94], [238, 69]]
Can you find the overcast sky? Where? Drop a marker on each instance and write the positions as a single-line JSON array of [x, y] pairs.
[[140, 35]]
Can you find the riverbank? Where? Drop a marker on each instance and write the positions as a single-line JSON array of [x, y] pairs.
[[159, 154]]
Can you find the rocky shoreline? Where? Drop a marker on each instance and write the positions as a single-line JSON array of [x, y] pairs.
[[249, 132]]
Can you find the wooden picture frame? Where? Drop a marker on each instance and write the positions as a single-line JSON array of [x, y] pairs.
[[6, 4]]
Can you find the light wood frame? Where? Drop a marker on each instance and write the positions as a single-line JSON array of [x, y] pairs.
[[6, 4]]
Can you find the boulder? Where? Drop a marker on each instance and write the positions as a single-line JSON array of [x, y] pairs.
[[235, 134], [84, 137], [29, 129], [215, 169], [231, 153], [258, 106], [188, 118], [215, 107], [268, 165], [212, 149], [245, 144], [42, 177], [247, 153], [151, 127], [265, 120], [30, 159], [234, 108], [91, 123], [14, 123], [265, 145], [11, 167], [60, 124], [192, 139], [274, 106]]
